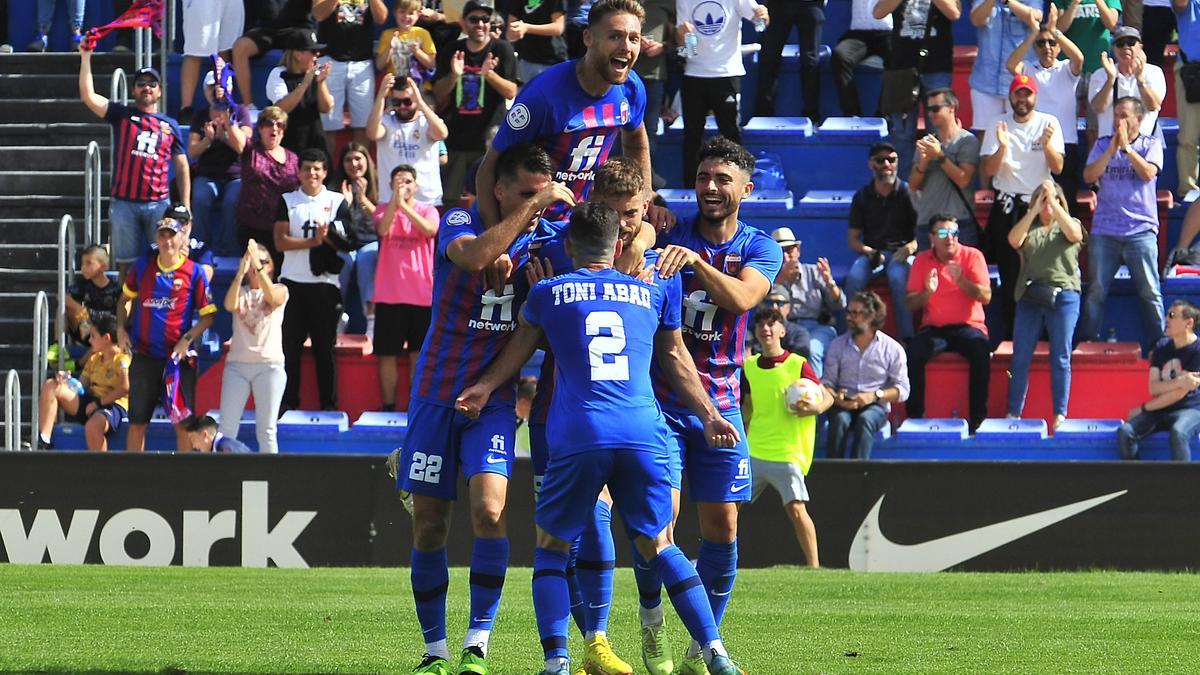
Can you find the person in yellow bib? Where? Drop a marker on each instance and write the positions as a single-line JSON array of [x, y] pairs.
[[782, 436]]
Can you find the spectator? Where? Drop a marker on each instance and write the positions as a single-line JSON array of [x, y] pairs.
[[311, 226], [45, 18], [657, 35], [868, 36], [299, 88], [795, 337], [535, 30], [1184, 253], [204, 437], [347, 28], [1129, 76], [146, 146], [950, 284], [1125, 224], [1174, 404], [712, 75], [1021, 150], [92, 295], [208, 28], [1047, 295], [268, 171], [269, 25], [472, 82], [883, 228], [808, 17], [404, 278], [1087, 24], [944, 172], [217, 137], [196, 250], [781, 438], [166, 291], [1188, 111], [999, 24], [406, 50], [866, 371], [407, 131], [921, 39], [255, 361], [98, 399], [1057, 81], [358, 182], [1158, 29], [815, 296]]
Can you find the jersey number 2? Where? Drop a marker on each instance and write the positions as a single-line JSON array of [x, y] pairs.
[[611, 345]]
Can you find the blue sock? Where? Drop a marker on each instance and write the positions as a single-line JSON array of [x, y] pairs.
[[489, 562], [649, 583], [578, 613], [430, 578], [686, 592], [717, 567], [551, 601], [594, 567]]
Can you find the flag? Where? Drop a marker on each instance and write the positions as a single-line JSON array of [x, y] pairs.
[[141, 13]]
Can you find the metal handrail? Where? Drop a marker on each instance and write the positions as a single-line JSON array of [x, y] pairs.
[[66, 272], [91, 195], [166, 45], [141, 48], [118, 92], [41, 351], [12, 412]]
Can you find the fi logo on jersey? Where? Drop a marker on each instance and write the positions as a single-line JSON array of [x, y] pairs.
[[496, 311]]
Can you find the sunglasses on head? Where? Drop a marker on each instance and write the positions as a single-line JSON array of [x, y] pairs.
[[1046, 42], [885, 160], [946, 232], [1126, 42], [479, 18]]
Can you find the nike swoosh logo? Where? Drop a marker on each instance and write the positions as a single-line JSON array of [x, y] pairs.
[[481, 619], [872, 551], [718, 594], [492, 459], [738, 488], [595, 606], [429, 630]]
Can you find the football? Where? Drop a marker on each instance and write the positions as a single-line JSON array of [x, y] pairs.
[[803, 390]]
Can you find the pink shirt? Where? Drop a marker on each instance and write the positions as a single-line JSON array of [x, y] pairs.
[[950, 305], [404, 273], [257, 328]]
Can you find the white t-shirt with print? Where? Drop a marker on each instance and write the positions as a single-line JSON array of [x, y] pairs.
[[719, 28], [1025, 166]]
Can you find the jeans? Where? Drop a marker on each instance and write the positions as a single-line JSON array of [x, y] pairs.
[[808, 16], [1182, 425], [45, 14], [1140, 253], [861, 275], [1060, 324], [266, 381], [819, 337], [961, 339], [214, 204], [902, 129], [133, 225], [862, 424], [361, 264], [854, 48]]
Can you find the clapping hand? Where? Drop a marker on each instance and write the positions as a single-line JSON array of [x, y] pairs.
[[931, 282], [1002, 133], [1047, 134], [1109, 67]]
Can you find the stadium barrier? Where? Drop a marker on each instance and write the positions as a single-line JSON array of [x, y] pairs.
[[312, 510]]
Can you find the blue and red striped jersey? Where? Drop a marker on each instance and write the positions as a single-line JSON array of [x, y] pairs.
[[576, 129], [164, 302], [471, 323], [716, 337], [143, 145]]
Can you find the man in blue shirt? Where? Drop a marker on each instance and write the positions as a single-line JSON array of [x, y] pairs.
[[605, 426]]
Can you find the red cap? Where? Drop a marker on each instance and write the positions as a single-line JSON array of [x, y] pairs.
[[1023, 82]]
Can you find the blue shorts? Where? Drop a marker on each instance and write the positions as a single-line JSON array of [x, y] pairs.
[[714, 474], [441, 442], [636, 480]]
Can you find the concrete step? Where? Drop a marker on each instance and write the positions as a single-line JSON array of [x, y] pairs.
[[67, 63], [27, 281], [56, 133], [41, 85], [44, 158], [37, 231], [46, 207], [15, 110], [21, 304], [47, 182], [29, 256]]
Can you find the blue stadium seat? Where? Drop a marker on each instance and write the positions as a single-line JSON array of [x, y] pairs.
[[1011, 431], [312, 431], [376, 433], [933, 431], [852, 131]]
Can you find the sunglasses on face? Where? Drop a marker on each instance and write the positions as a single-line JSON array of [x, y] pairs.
[[1046, 42], [775, 303], [479, 18], [885, 160], [273, 124], [402, 101], [936, 108], [946, 232], [1126, 42], [149, 84]]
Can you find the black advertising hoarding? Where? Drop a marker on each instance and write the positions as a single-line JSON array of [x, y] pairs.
[[305, 510]]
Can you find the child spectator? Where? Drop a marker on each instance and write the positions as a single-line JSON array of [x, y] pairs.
[[93, 294], [255, 360], [347, 28], [204, 437], [403, 279], [535, 30], [407, 49], [98, 399]]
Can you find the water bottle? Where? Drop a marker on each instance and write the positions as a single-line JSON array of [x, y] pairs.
[[75, 385], [691, 46], [760, 24], [1112, 334]]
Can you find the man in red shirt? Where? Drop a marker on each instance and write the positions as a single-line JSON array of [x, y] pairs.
[[950, 284]]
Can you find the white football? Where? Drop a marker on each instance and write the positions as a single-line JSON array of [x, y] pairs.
[[803, 390]]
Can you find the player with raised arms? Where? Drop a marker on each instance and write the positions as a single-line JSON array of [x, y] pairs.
[[727, 267], [605, 425], [471, 324], [576, 109]]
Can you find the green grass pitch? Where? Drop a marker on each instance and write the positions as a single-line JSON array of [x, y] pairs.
[[781, 621]]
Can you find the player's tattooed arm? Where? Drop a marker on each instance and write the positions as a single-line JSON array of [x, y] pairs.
[[516, 353], [672, 355]]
